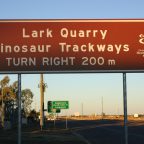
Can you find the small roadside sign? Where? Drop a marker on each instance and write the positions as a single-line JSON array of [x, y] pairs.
[[60, 104]]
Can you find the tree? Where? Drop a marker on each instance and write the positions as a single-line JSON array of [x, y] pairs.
[[33, 114], [14, 86], [26, 99], [7, 99], [4, 82]]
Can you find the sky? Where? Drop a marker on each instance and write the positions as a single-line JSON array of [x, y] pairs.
[[82, 89]]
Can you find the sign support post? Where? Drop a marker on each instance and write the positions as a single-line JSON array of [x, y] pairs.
[[125, 108], [3, 110], [19, 108]]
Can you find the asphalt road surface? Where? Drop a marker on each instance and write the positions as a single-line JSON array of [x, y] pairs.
[[78, 132], [110, 132]]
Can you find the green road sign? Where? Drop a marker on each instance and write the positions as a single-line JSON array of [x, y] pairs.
[[50, 109], [60, 104]]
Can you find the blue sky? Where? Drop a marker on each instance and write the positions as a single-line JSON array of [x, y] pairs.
[[46, 9], [82, 88]]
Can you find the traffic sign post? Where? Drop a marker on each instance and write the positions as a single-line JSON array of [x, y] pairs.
[[56, 106], [125, 108], [19, 109]]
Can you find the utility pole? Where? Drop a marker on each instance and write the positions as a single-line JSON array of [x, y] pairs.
[[42, 86], [102, 106], [82, 109]]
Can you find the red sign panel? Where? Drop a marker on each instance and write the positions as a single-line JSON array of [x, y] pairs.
[[34, 46]]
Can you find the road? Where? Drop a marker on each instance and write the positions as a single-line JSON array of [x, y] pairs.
[[109, 131], [78, 132]]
